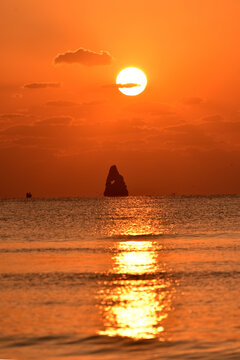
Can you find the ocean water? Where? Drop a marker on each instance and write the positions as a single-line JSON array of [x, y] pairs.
[[120, 278]]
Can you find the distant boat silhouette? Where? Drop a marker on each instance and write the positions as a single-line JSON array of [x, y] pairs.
[[115, 185], [28, 195]]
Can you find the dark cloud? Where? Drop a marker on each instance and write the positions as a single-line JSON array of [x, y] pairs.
[[85, 57], [122, 86], [129, 85], [34, 86], [61, 103], [12, 116], [192, 100]]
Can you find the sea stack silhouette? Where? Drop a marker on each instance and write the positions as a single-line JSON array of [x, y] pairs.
[[115, 184]]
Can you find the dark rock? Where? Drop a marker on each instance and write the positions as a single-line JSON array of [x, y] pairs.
[[115, 185], [28, 195]]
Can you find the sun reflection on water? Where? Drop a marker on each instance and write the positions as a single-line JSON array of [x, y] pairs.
[[135, 257], [136, 305]]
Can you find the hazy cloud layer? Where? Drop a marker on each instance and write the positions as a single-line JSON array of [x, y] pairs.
[[62, 124], [85, 57], [33, 86], [207, 149]]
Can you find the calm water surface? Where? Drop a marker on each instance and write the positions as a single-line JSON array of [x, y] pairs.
[[143, 277]]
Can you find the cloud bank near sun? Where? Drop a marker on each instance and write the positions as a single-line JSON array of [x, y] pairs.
[[84, 57], [65, 136]]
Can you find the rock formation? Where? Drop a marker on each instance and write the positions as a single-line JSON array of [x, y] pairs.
[[115, 185]]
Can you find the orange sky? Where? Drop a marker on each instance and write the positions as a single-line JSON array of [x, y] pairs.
[[63, 123]]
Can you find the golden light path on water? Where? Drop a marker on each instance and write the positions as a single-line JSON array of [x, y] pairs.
[[136, 305]]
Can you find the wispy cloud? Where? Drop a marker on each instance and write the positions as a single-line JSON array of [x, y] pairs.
[[128, 85], [12, 116], [84, 57], [122, 86], [33, 86]]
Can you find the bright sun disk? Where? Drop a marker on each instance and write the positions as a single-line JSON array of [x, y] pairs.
[[134, 79]]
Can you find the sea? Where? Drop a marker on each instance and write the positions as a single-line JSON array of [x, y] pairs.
[[120, 278]]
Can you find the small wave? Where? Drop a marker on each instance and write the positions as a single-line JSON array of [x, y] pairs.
[[150, 236], [116, 347], [112, 279], [62, 249], [71, 279], [134, 236], [94, 343], [21, 341]]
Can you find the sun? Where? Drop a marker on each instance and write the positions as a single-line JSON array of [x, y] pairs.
[[131, 81]]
